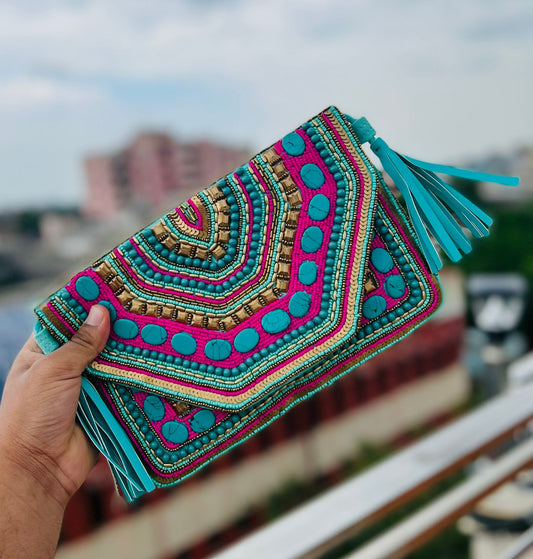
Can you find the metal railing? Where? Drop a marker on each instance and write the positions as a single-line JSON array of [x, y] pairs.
[[345, 510]]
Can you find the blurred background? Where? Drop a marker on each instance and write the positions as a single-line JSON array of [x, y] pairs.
[[113, 112]]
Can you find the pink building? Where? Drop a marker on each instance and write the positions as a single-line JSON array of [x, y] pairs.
[[152, 170]]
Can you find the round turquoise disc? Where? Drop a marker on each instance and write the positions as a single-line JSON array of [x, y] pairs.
[[381, 260], [312, 176], [217, 349], [64, 294], [374, 306], [175, 432], [275, 321], [184, 343], [307, 272], [299, 304], [154, 408], [395, 286], [318, 207], [312, 239], [154, 334], [111, 309], [125, 328], [293, 144], [202, 420], [246, 340], [87, 288]]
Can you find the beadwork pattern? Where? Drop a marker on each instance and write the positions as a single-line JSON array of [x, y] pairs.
[[251, 296]]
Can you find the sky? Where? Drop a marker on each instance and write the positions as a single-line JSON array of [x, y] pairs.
[[441, 80]]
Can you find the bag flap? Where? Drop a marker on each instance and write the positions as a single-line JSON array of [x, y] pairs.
[[297, 264]]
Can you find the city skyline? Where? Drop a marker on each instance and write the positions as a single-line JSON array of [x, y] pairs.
[[444, 81]]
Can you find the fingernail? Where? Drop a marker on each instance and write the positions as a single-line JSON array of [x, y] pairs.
[[96, 315]]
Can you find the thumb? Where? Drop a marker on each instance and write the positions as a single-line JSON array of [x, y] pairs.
[[71, 359]]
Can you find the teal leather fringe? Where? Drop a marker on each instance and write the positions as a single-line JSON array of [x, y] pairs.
[[437, 210], [110, 439]]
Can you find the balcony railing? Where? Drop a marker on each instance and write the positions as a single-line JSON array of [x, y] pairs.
[[345, 510]]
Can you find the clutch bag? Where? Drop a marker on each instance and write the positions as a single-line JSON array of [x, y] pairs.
[[256, 293]]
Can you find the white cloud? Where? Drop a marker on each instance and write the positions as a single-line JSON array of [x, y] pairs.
[[30, 93], [173, 39]]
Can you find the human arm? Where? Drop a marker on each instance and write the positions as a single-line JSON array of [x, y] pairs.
[[44, 454]]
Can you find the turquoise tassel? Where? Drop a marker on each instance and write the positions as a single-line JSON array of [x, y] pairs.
[[435, 207], [110, 439]]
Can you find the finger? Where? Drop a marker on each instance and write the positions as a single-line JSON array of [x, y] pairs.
[[71, 359], [32, 346], [92, 451], [27, 356]]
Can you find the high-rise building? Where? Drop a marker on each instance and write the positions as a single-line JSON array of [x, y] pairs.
[[152, 170]]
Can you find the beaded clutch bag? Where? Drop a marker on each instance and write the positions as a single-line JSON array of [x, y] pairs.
[[256, 293]]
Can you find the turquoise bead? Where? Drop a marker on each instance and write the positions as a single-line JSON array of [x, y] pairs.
[[125, 328], [299, 304], [395, 286], [307, 272], [183, 343], [154, 408], [87, 288], [312, 239], [202, 420], [217, 350], [63, 294], [382, 260], [175, 432], [110, 308], [312, 176], [319, 207], [275, 321], [154, 334], [246, 340], [293, 144], [374, 306]]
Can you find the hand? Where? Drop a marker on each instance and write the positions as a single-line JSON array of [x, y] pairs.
[[44, 454]]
